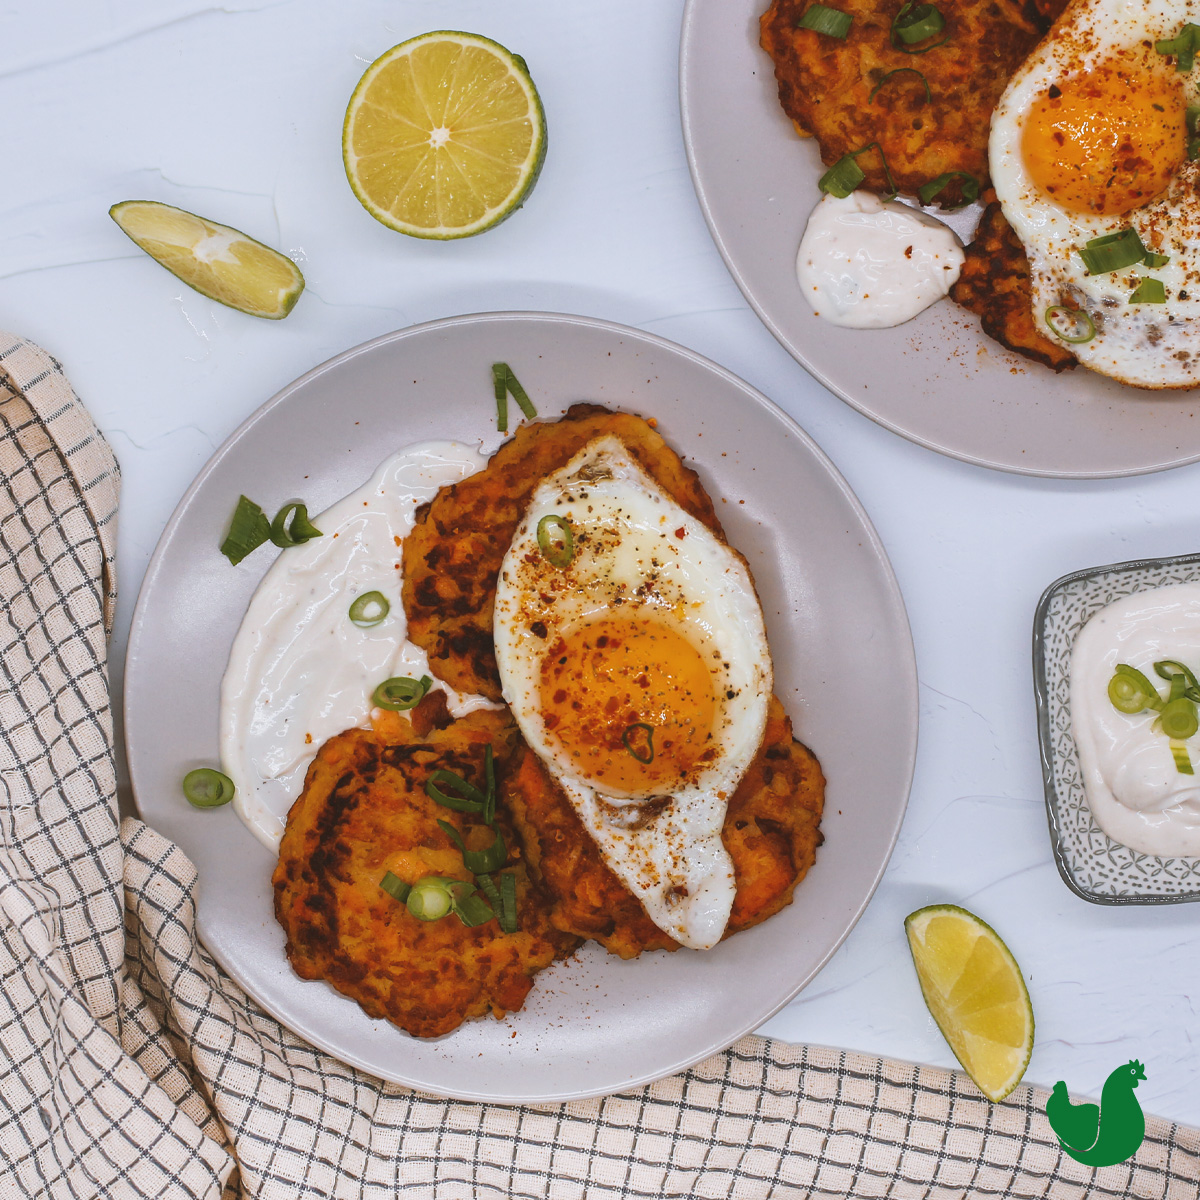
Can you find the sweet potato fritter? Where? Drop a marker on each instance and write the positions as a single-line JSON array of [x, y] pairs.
[[771, 832], [452, 556], [995, 284], [825, 85], [364, 812]]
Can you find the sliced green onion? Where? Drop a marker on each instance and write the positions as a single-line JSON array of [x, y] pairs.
[[1153, 260], [478, 861], [1183, 764], [1112, 252], [292, 527], [519, 394], [400, 693], [1131, 692], [429, 899], [500, 387], [1184, 46], [1078, 316], [970, 189], [842, 178], [469, 799], [488, 888], [912, 25], [558, 548], [638, 739], [206, 788], [1170, 668], [1178, 719], [830, 21], [369, 609], [472, 909], [247, 531], [901, 71], [845, 174], [395, 887], [489, 776], [1193, 146], [1149, 291], [508, 902]]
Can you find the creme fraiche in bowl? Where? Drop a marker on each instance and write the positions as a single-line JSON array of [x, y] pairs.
[[1116, 658]]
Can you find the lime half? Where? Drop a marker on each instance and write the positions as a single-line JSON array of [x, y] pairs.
[[444, 135], [976, 994], [219, 262]]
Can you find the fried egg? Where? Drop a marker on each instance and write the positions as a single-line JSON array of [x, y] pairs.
[[1091, 138], [632, 651]]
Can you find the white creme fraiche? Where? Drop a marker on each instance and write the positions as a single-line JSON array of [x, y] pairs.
[[1136, 793], [300, 670], [869, 264]]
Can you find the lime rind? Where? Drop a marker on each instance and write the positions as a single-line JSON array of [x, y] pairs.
[[224, 286], [530, 168], [915, 925]]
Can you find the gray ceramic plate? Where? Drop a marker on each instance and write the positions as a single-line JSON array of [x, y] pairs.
[[1091, 863], [936, 380], [593, 1024]]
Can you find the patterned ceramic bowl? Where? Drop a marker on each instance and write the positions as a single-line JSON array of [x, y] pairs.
[[1091, 863]]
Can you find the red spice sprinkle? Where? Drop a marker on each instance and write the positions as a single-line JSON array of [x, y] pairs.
[[681, 532]]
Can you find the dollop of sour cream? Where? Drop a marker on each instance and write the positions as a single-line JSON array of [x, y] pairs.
[[869, 264], [300, 670], [1135, 791]]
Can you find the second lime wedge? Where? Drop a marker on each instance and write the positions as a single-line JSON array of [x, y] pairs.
[[976, 994], [221, 263]]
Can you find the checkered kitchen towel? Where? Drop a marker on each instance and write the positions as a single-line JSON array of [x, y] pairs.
[[130, 1066]]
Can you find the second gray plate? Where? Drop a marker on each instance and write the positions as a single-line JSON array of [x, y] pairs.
[[938, 380], [593, 1024]]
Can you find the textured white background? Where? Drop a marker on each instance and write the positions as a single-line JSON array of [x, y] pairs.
[[235, 111]]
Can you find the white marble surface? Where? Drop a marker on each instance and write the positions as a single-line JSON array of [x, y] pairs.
[[235, 110]]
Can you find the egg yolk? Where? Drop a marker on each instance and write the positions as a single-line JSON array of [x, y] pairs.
[[631, 702], [1108, 141]]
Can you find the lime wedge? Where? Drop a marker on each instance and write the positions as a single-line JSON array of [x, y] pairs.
[[444, 135], [976, 994], [221, 263]]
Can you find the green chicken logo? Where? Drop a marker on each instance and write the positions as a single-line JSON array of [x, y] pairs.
[[1099, 1136]]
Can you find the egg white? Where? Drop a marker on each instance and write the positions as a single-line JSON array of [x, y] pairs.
[[669, 854], [1147, 345]]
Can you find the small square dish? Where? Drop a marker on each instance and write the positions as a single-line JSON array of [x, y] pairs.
[[1092, 864]]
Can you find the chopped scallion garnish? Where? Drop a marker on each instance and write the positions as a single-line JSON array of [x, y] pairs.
[[638, 739], [400, 693], [478, 861], [845, 174], [1178, 718], [247, 531], [505, 383], [1149, 291], [369, 609], [829, 21], [1131, 692], [508, 902], [901, 71], [206, 788], [912, 25], [1183, 45], [842, 178], [970, 188], [395, 886], [555, 540], [463, 797], [1082, 326], [292, 527], [1153, 260], [429, 899], [500, 387], [1112, 252]]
